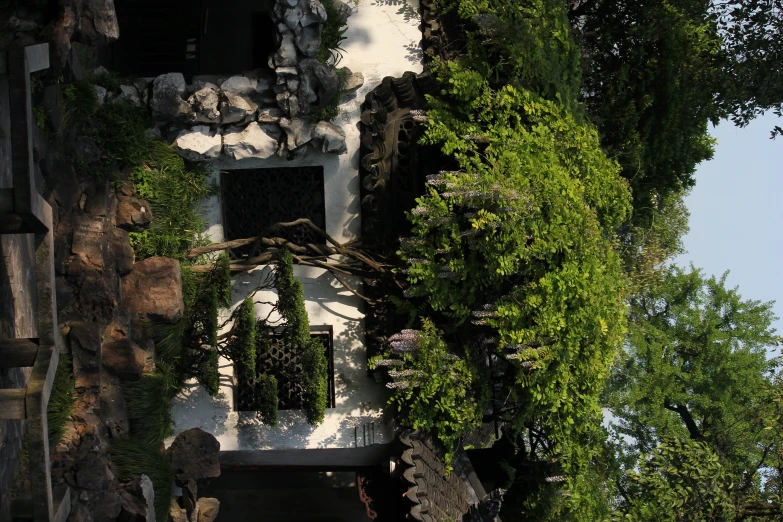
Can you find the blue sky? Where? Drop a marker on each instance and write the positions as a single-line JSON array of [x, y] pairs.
[[736, 208]]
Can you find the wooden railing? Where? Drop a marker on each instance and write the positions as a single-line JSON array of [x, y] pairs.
[[24, 211]]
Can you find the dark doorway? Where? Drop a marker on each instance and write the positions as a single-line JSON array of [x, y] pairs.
[[237, 35], [206, 37], [156, 37], [292, 496]]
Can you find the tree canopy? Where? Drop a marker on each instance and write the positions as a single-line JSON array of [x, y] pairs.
[[696, 394]]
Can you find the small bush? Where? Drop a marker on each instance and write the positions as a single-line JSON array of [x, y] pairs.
[[149, 404], [135, 457], [58, 412], [241, 349], [79, 102], [332, 36], [266, 399], [314, 380]]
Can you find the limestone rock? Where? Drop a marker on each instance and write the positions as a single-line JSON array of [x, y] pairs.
[[167, 103], [176, 512], [270, 115], [194, 456], [89, 242], [153, 290], [205, 104], [318, 81], [85, 341], [251, 142], [272, 129], [331, 136], [100, 93], [133, 214], [236, 108], [93, 472], [130, 94], [208, 509], [286, 53], [344, 11], [309, 41], [198, 143], [123, 358], [298, 132], [143, 87], [98, 22], [114, 409], [315, 14], [138, 500], [120, 251], [353, 81], [240, 85], [291, 17]]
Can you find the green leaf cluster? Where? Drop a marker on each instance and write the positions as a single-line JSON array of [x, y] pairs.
[[434, 389]]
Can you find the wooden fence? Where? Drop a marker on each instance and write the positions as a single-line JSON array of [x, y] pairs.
[[24, 211]]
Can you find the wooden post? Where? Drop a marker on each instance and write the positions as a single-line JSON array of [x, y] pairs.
[[39, 387], [28, 206]]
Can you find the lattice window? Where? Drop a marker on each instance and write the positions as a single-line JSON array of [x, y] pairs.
[[255, 199], [282, 361]]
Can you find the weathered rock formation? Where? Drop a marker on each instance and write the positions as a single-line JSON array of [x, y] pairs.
[[194, 456]]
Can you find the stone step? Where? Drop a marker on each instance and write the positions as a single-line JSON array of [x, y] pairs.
[[12, 403], [18, 353]]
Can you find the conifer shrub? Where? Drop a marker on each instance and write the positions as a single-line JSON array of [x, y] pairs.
[[266, 399]]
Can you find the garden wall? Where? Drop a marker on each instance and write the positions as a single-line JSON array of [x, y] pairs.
[[382, 40]]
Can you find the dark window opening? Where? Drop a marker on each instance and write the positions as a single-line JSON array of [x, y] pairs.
[[282, 361], [254, 200], [194, 37]]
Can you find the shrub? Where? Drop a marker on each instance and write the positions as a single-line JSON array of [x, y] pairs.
[[149, 404], [135, 457], [314, 380], [266, 399], [432, 389], [332, 35], [58, 411], [241, 348]]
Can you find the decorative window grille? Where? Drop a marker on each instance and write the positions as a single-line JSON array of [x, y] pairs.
[[255, 199], [282, 361]]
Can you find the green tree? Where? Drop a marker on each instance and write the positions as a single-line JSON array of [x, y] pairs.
[[652, 74], [753, 40], [696, 369]]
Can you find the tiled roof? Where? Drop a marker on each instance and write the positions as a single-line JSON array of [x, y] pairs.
[[434, 497]]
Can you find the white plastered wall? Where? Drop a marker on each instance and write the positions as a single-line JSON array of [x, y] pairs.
[[382, 40]]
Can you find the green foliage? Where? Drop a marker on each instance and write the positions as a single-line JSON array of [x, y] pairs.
[[527, 44], [681, 480], [266, 399], [296, 332], [174, 190], [134, 458], [79, 102], [753, 41], [119, 131], [433, 390], [654, 68], [517, 238], [58, 411], [645, 250], [149, 404], [331, 109], [314, 380], [207, 373], [332, 36], [696, 368], [241, 348]]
